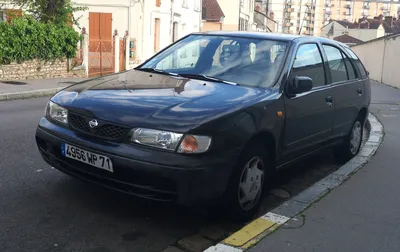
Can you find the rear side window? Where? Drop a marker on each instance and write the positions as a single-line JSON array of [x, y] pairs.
[[350, 69], [308, 62], [357, 62], [336, 63]]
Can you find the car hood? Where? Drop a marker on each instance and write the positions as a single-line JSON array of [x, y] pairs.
[[141, 99]]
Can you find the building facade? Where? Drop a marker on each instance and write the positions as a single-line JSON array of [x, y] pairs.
[[239, 15], [307, 17], [212, 16], [151, 25], [353, 10]]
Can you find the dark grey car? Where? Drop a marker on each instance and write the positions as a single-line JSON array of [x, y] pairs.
[[210, 117]]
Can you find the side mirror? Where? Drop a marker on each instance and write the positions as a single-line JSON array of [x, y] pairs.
[[299, 84], [367, 73]]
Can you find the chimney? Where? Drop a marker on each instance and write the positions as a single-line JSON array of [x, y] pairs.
[[380, 18], [389, 20]]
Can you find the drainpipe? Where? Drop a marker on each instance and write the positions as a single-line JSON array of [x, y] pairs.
[[141, 25], [171, 21]]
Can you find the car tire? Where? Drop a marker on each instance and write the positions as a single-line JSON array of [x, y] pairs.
[[247, 183], [352, 142]]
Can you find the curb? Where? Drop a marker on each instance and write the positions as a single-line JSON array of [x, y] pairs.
[[29, 94], [259, 228]]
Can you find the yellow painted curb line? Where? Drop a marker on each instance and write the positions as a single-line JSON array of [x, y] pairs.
[[248, 232]]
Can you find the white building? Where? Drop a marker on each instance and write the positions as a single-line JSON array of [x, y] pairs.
[[152, 25]]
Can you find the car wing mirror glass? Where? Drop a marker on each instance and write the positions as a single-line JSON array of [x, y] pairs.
[[300, 84]]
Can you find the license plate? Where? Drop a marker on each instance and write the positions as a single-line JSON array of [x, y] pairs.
[[87, 157]]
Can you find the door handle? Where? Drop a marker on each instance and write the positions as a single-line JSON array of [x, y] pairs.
[[328, 99], [359, 91]]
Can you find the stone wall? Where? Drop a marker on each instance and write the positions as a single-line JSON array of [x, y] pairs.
[[38, 70]]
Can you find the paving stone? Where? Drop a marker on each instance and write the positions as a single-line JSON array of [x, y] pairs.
[[311, 194], [347, 169], [195, 243], [172, 249], [290, 208], [281, 193], [331, 181], [367, 151], [214, 232]]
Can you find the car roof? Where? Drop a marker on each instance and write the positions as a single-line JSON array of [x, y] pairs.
[[266, 35]]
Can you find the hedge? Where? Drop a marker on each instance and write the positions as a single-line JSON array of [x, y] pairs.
[[27, 39]]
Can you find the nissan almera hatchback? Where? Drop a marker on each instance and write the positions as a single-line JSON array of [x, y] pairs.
[[211, 117]]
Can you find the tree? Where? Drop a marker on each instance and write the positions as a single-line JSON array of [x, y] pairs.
[[50, 11]]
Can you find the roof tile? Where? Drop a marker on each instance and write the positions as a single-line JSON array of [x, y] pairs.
[[212, 11]]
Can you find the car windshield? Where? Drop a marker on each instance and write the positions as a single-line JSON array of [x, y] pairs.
[[245, 61]]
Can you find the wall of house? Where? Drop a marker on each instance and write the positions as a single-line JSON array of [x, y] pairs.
[[231, 11], [211, 26], [363, 34], [382, 63], [38, 70], [118, 8], [337, 31], [139, 20]]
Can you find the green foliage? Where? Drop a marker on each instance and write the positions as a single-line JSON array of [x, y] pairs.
[[27, 39], [50, 11]]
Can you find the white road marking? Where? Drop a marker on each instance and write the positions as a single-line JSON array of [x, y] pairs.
[[222, 248], [276, 218]]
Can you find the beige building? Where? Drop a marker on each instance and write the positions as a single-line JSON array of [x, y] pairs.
[[353, 10], [307, 17], [239, 15], [212, 16]]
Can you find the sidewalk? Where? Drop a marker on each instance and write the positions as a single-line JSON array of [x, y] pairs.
[[363, 214], [33, 88]]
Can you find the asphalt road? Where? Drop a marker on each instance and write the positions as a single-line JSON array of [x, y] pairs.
[[43, 210]]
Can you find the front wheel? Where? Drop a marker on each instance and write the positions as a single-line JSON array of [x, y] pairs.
[[246, 187], [352, 143]]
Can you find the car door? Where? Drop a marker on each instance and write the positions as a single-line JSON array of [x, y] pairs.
[[309, 117], [348, 89]]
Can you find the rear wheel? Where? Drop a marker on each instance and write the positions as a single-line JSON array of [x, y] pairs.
[[352, 142], [246, 187]]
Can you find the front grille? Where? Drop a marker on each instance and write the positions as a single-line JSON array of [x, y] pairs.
[[104, 130]]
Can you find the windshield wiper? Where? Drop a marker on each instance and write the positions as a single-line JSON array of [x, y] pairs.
[[155, 70], [207, 78]]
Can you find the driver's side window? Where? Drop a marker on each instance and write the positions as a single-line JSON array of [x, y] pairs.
[[308, 63]]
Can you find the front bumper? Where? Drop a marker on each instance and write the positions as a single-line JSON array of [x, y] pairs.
[[138, 170]]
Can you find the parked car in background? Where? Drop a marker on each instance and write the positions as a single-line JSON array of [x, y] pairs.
[[210, 117]]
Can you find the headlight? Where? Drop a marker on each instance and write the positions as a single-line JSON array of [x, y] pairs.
[[56, 112], [170, 140]]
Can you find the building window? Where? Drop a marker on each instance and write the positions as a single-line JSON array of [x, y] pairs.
[[175, 32], [184, 3]]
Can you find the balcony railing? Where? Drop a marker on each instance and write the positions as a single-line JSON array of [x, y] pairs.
[[367, 7]]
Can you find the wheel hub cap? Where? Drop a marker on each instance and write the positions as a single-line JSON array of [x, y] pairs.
[[355, 138], [251, 183]]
